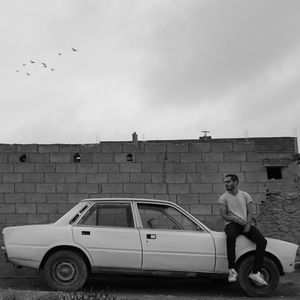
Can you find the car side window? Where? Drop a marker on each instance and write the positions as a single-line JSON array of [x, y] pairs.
[[112, 215], [164, 217]]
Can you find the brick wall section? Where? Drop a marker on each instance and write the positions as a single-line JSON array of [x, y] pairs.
[[188, 172]]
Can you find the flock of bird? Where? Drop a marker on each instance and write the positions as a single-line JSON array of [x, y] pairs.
[[43, 64]]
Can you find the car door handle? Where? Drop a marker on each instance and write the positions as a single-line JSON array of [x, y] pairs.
[[151, 236], [85, 232]]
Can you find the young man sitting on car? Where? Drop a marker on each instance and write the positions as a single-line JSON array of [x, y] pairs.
[[236, 211]]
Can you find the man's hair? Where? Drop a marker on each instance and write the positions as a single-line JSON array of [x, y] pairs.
[[233, 177]]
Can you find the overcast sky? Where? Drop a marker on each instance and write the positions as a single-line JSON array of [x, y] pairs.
[[167, 69]]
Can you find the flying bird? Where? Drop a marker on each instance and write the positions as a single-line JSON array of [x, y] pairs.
[[17, 71], [24, 64], [44, 65], [74, 49], [52, 69], [59, 53], [33, 62], [28, 74]]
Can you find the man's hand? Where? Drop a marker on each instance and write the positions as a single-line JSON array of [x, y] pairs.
[[247, 228], [240, 221]]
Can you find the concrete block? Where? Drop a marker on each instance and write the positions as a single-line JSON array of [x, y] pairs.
[[229, 167], [193, 177], [201, 209], [131, 167], [179, 188], [112, 188], [35, 198], [103, 157], [122, 157], [24, 187], [14, 198], [45, 188], [118, 177], [25, 208], [180, 147], [64, 207], [33, 177], [87, 168], [77, 178], [47, 208], [68, 148], [252, 167], [175, 178], [3, 158], [137, 188], [30, 148], [207, 167], [12, 177], [256, 177], [209, 198], [57, 198], [249, 187], [53, 148], [111, 147], [253, 157], [65, 188], [6, 168], [97, 178], [75, 198], [140, 177], [90, 148], [184, 167], [211, 178], [168, 157], [90, 188], [212, 157], [108, 167], [155, 147], [221, 146], [187, 199], [156, 188], [38, 218], [65, 168], [235, 156], [44, 168], [39, 157], [200, 147], [152, 167], [7, 208], [216, 209], [190, 157], [133, 147], [16, 219], [54, 178], [201, 188], [157, 177], [244, 146], [146, 157], [7, 148], [219, 188], [60, 158], [7, 188], [23, 168]]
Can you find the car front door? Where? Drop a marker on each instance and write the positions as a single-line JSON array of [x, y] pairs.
[[173, 242], [108, 233]]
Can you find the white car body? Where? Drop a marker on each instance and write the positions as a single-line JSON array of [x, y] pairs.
[[135, 248]]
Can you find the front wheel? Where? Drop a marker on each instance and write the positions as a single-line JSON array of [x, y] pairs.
[[269, 271], [65, 271]]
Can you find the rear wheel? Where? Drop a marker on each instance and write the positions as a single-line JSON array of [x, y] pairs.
[[65, 271], [269, 271]]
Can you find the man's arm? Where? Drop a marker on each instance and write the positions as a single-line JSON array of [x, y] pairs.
[[249, 217], [226, 217]]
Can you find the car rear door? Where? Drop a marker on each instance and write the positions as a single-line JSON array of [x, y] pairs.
[[107, 231], [173, 242]]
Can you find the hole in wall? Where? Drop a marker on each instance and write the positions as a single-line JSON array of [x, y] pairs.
[[274, 172], [129, 157], [23, 158], [76, 157]]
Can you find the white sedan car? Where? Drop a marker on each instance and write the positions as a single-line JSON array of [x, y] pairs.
[[140, 236]]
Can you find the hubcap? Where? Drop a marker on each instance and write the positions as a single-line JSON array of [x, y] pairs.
[[65, 271]]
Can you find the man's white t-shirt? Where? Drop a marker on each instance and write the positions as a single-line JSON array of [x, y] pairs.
[[236, 204]]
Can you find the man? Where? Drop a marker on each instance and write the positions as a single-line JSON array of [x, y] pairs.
[[236, 211]]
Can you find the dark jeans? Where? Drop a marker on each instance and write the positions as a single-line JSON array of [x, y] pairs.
[[232, 230]]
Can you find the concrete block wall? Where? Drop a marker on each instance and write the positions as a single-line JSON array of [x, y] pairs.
[[39, 183]]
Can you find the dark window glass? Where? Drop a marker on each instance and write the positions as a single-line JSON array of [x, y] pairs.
[[113, 215], [274, 172]]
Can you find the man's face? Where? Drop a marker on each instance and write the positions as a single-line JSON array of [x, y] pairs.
[[230, 184]]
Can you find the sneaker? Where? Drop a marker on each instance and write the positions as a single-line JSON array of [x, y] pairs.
[[232, 275], [258, 278]]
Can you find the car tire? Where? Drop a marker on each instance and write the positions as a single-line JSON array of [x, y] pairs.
[[269, 271], [65, 271]]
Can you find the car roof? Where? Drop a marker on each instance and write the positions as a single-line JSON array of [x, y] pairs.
[[126, 199]]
